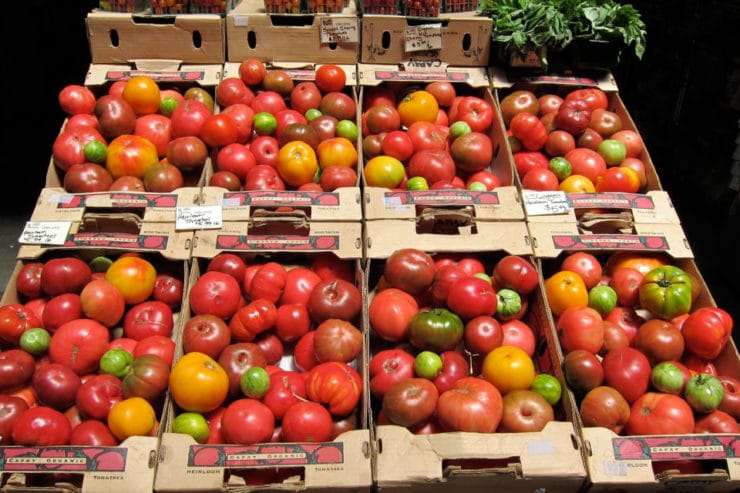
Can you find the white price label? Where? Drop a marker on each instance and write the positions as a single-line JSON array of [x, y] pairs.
[[45, 232], [545, 203], [198, 217], [339, 30], [423, 38]]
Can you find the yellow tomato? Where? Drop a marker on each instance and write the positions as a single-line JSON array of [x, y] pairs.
[[418, 106], [198, 383], [564, 289], [134, 277], [131, 155], [142, 93], [508, 368], [337, 151], [297, 163], [384, 171], [131, 417], [577, 184]]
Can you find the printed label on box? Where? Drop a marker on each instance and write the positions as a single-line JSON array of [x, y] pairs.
[[272, 454], [73, 459], [164, 76], [702, 446], [276, 242]]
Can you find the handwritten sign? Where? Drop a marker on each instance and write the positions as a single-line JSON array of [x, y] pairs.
[[545, 203], [45, 232], [198, 217], [423, 38], [339, 30]]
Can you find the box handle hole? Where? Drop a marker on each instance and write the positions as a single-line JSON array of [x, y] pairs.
[[197, 39], [113, 35], [252, 40], [385, 40], [467, 41]]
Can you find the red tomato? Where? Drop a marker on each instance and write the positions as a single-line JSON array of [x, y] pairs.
[[79, 344], [233, 90], [330, 78], [410, 401], [247, 421], [157, 129], [216, 293], [252, 71], [307, 421], [390, 312], [219, 130], [97, 394], [16, 369], [586, 162], [540, 179], [517, 273], [632, 140], [64, 275], [585, 265], [525, 161], [252, 319], [529, 130], [68, 147], [15, 319], [706, 331], [604, 406], [580, 328], [627, 370], [476, 112], [76, 99], [92, 432], [41, 426], [336, 385], [595, 97], [287, 387], [716, 421], [188, 117], [158, 345], [655, 413], [472, 405]]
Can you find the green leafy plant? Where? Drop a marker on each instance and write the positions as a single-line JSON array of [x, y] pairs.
[[524, 25]]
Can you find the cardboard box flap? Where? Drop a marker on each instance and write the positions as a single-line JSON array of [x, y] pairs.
[[296, 70], [652, 207], [421, 71], [345, 463], [116, 232], [342, 204], [501, 204], [159, 70], [193, 38], [549, 240], [459, 234], [344, 239], [404, 457], [258, 7], [627, 459], [501, 79], [56, 204]]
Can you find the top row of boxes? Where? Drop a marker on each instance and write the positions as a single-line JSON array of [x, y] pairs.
[[247, 30]]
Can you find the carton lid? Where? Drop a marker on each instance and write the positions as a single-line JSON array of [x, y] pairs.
[[281, 234], [445, 231], [161, 70], [421, 71], [502, 79], [296, 70]]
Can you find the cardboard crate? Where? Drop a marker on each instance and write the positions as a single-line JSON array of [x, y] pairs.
[[190, 38], [457, 39], [317, 38], [129, 466], [450, 461], [343, 464], [623, 462], [169, 74], [342, 204], [501, 204], [506, 82]]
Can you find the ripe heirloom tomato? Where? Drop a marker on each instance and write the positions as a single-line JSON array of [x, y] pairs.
[[666, 292], [297, 163], [131, 155], [706, 331], [656, 413], [416, 106], [142, 93], [472, 404], [219, 130], [508, 368], [198, 383], [131, 417], [529, 130], [336, 151], [520, 101], [252, 71], [595, 97], [330, 78], [15, 319], [336, 385], [133, 276], [565, 289], [384, 171], [476, 112]]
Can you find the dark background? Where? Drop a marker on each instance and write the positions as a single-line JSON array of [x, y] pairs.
[[679, 95]]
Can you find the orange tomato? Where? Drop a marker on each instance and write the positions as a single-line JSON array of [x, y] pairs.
[[134, 416], [643, 262], [142, 93], [131, 155], [297, 163], [27, 393], [577, 184], [565, 289], [418, 106], [134, 277], [508, 368], [384, 171], [337, 151], [198, 383]]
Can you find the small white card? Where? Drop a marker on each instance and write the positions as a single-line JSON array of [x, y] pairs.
[[198, 217], [339, 30], [423, 38], [545, 203], [45, 232]]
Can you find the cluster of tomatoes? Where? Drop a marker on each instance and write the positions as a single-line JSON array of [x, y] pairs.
[[270, 351], [298, 135], [572, 142], [86, 350], [451, 350], [638, 347], [427, 137]]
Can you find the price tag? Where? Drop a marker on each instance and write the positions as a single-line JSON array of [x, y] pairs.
[[545, 203], [198, 217], [45, 232], [423, 38], [339, 30]]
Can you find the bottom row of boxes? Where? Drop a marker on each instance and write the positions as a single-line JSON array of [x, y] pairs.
[[299, 299]]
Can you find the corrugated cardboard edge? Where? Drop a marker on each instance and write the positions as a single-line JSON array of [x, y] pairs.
[[100, 73]]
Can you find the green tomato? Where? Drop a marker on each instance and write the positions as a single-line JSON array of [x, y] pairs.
[[561, 167], [484, 276], [667, 377], [100, 263], [613, 151], [264, 123], [117, 362], [417, 183], [548, 387], [427, 365], [167, 105], [95, 151], [477, 186], [665, 292], [255, 382], [602, 298], [193, 424], [459, 128], [35, 341], [437, 329], [704, 392], [347, 129], [312, 113], [509, 302]]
